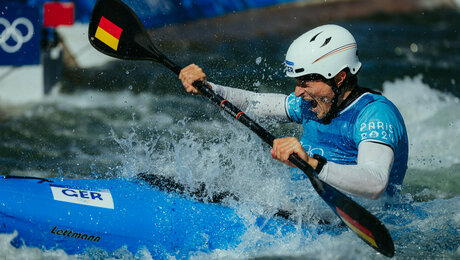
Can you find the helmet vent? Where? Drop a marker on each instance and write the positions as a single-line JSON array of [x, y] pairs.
[[326, 41], [314, 37], [299, 70]]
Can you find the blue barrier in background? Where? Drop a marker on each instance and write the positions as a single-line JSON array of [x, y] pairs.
[[159, 13], [155, 13], [21, 20]]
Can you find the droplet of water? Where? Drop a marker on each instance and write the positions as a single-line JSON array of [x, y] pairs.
[[413, 47]]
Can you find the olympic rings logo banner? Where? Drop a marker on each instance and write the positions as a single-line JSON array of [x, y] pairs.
[[11, 34], [19, 34]]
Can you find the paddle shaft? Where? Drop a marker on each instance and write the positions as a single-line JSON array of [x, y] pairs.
[[239, 115]]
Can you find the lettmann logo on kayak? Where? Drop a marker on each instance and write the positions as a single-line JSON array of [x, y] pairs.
[[95, 198], [72, 234]]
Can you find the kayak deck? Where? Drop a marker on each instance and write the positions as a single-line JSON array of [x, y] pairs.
[[79, 214]]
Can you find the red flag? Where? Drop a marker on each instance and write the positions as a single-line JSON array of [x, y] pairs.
[[56, 13]]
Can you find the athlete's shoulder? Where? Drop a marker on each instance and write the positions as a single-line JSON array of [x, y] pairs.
[[376, 103], [380, 121]]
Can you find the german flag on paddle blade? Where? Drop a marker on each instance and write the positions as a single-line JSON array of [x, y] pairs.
[[363, 232], [108, 33]]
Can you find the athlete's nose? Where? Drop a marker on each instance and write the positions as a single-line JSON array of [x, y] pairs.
[[303, 93], [298, 91]]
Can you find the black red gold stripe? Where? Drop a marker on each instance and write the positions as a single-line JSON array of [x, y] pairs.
[[338, 50], [109, 33], [358, 228]]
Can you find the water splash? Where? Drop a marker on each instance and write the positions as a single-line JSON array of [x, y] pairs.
[[431, 124]]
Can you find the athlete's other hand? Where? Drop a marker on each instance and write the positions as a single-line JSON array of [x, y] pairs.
[[190, 74], [284, 147]]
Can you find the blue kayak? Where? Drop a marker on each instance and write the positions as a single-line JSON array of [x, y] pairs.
[[78, 215]]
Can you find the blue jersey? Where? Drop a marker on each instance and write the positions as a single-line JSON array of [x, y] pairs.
[[370, 117]]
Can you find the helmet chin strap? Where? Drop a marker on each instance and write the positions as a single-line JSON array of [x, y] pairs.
[[355, 93], [334, 107]]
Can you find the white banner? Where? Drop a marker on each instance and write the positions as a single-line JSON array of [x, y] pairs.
[[101, 198]]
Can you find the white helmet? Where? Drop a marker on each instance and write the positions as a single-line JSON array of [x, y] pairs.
[[324, 50]]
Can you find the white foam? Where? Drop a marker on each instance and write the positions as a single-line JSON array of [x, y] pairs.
[[7, 251], [432, 122]]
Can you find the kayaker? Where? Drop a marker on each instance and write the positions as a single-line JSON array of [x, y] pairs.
[[353, 137]]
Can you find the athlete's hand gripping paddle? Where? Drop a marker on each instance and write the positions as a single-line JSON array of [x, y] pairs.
[[115, 30]]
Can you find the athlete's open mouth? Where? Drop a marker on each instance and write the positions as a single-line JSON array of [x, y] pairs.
[[313, 105]]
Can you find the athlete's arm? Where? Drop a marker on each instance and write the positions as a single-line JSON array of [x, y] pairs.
[[368, 178], [257, 105]]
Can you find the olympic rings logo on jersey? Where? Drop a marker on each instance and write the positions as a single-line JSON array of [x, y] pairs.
[[312, 151], [12, 33]]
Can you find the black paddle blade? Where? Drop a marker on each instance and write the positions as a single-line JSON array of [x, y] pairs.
[[368, 227], [115, 30]]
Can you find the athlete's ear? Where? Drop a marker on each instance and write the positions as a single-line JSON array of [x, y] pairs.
[[340, 77]]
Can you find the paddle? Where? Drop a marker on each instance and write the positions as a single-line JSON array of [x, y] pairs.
[[115, 30]]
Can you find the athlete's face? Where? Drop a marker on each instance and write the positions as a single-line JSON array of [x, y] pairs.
[[318, 93]]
